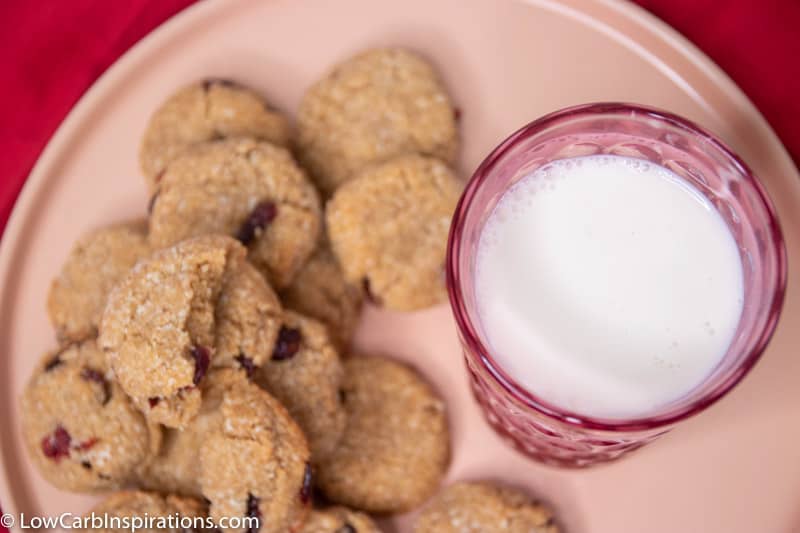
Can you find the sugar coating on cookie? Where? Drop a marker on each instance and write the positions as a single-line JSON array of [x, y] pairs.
[[305, 374], [167, 513], [158, 328], [80, 428], [248, 318], [250, 190], [377, 105], [482, 507], [320, 291], [176, 468], [97, 261], [257, 462], [204, 111], [389, 226], [339, 520], [396, 445]]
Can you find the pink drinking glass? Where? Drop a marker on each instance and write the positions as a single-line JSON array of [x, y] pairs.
[[547, 432]]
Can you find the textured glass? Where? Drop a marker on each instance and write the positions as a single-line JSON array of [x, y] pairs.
[[549, 433]]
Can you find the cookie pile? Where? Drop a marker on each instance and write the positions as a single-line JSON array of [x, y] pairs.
[[204, 366]]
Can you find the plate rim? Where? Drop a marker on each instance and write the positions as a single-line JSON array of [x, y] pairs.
[[626, 11]]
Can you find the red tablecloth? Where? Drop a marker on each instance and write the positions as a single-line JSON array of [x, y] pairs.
[[52, 51]]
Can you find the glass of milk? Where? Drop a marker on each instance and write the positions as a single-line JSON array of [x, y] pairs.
[[613, 269]]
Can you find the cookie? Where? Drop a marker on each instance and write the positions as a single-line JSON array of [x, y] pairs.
[[96, 263], [248, 318], [320, 291], [396, 445], [251, 190], [158, 328], [80, 428], [339, 520], [388, 228], [373, 107], [305, 374], [176, 468], [256, 463], [481, 507], [204, 111], [146, 512]]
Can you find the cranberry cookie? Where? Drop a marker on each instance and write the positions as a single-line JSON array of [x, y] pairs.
[[256, 463], [204, 111], [389, 227], [481, 507], [375, 106], [250, 190], [305, 374], [80, 428], [396, 445], [96, 263], [158, 328]]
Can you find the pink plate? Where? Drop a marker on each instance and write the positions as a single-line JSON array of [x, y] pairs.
[[734, 468]]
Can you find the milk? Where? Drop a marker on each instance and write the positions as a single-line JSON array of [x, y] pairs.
[[607, 285]]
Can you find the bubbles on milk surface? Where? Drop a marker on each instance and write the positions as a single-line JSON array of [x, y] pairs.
[[607, 284]]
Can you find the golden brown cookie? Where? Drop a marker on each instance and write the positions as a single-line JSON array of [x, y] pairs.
[[373, 107], [96, 263], [81, 430], [320, 291], [147, 512], [248, 318], [158, 328], [305, 374], [396, 446], [481, 507], [389, 226], [256, 463], [339, 520], [176, 468], [204, 111], [250, 190]]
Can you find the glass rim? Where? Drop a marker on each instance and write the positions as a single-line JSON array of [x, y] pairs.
[[468, 332]]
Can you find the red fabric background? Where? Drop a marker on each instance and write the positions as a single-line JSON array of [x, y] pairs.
[[51, 52]]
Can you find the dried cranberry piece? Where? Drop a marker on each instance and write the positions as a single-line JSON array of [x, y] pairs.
[[153, 401], [288, 343], [247, 364], [87, 444], [259, 218], [202, 358], [347, 528], [373, 299], [305, 490], [56, 445], [90, 374], [253, 512]]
